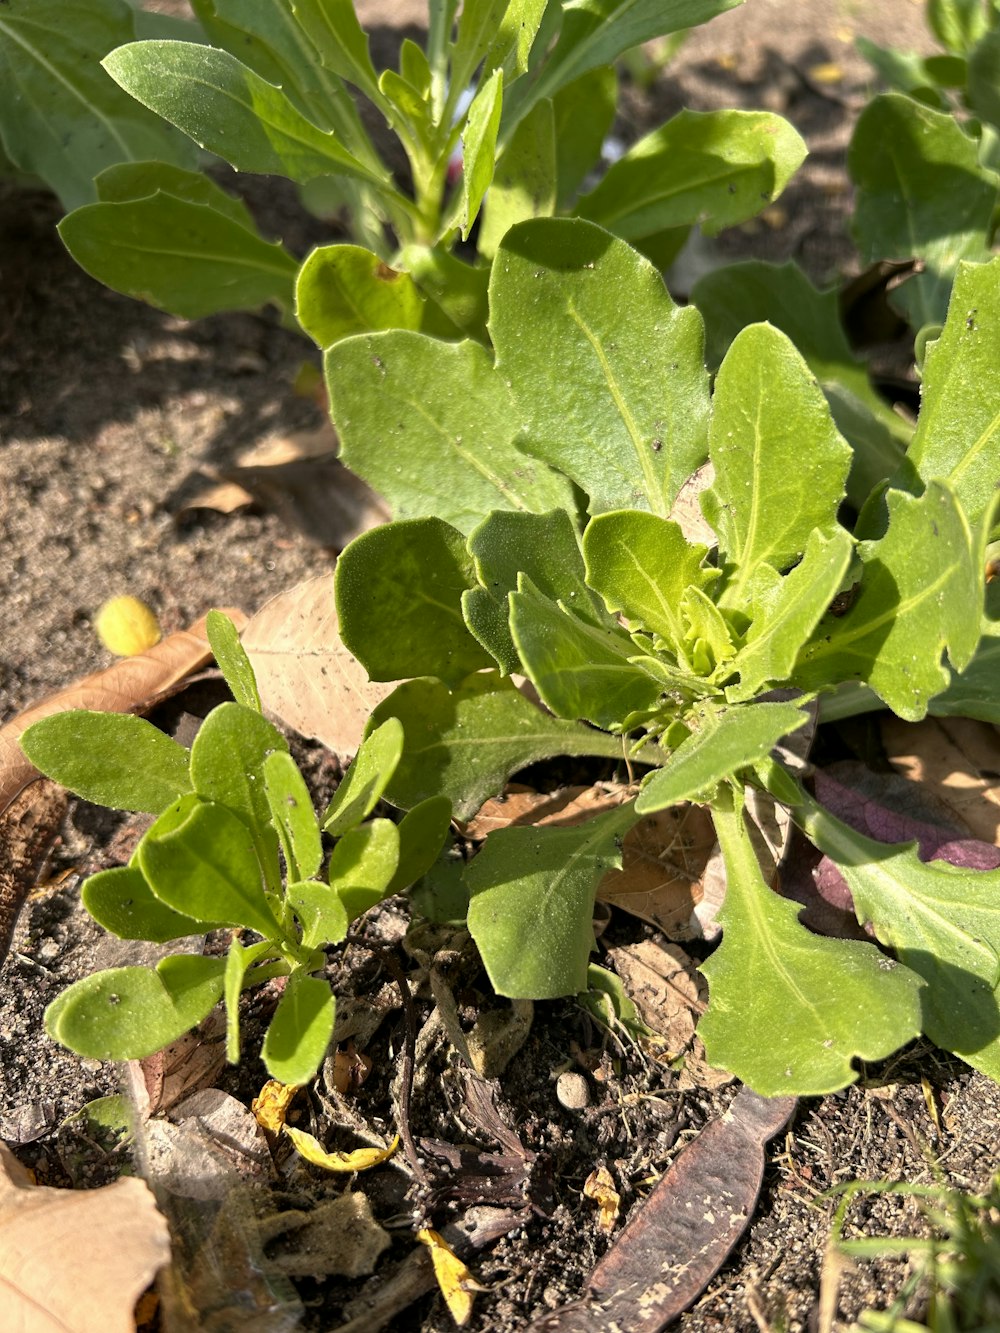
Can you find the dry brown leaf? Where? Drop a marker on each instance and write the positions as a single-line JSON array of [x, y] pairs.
[[305, 675], [75, 1261], [27, 829], [956, 759], [686, 511], [663, 857], [127, 686]]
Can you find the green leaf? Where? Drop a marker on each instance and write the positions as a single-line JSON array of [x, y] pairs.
[[113, 759], [922, 193], [465, 744], [321, 913], [62, 118], [725, 743], [458, 288], [227, 766], [984, 77], [957, 440], [607, 373], [207, 869], [600, 31], [788, 617], [921, 592], [975, 692], [476, 34], [183, 257], [532, 903], [584, 114], [238, 961], [431, 426], [958, 24], [363, 865], [942, 920], [138, 180], [780, 463], [121, 901], [903, 71], [422, 832], [228, 109], [524, 182], [364, 782], [580, 671], [299, 1033], [514, 37], [345, 289], [333, 28], [789, 1011], [642, 565], [399, 602], [292, 815], [130, 1012], [231, 659], [714, 168], [479, 148]]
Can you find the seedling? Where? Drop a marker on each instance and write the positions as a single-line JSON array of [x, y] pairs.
[[235, 844], [695, 659]]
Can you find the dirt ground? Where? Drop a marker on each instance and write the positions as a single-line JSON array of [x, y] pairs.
[[106, 409]]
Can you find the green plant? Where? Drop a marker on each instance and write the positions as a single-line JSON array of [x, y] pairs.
[[528, 90], [649, 646], [955, 1271], [231, 815]]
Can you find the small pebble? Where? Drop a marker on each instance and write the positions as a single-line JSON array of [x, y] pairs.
[[572, 1091]]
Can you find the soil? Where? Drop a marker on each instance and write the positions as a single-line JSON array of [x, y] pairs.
[[106, 408]]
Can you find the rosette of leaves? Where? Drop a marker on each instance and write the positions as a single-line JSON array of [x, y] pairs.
[[534, 487], [235, 844], [499, 117]]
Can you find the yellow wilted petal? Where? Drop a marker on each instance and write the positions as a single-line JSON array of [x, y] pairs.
[[126, 626], [600, 1186], [828, 72], [271, 1105], [456, 1282], [359, 1160]]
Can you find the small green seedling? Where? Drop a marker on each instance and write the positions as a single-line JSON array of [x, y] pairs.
[[235, 844]]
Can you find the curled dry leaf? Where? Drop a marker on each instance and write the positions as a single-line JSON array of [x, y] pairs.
[[955, 758], [455, 1281], [75, 1261], [270, 1106], [361, 1159], [305, 675], [600, 1186]]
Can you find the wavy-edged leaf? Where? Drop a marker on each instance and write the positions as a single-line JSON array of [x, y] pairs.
[[606, 371]]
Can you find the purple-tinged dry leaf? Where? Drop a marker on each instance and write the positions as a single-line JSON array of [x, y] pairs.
[[679, 1237]]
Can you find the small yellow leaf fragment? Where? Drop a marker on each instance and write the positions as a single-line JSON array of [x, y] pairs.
[[827, 72], [126, 626], [271, 1105], [456, 1282], [600, 1186], [359, 1160]]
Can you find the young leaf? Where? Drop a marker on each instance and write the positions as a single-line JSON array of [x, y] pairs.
[[957, 24], [714, 168], [578, 669], [422, 832], [363, 864], [584, 114], [479, 148], [292, 815], [114, 759], [457, 287], [524, 183], [208, 869], [515, 34], [322, 915], [725, 743], [920, 192], [921, 592], [238, 961], [532, 902], [942, 920], [958, 433], [465, 744], [431, 426], [63, 118], [780, 463], [184, 257], [299, 1033], [343, 290], [227, 766], [781, 626], [228, 109], [342, 44], [477, 31], [607, 373], [399, 598], [121, 901], [983, 84], [130, 1012], [790, 1011], [231, 659], [364, 782], [642, 565]]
